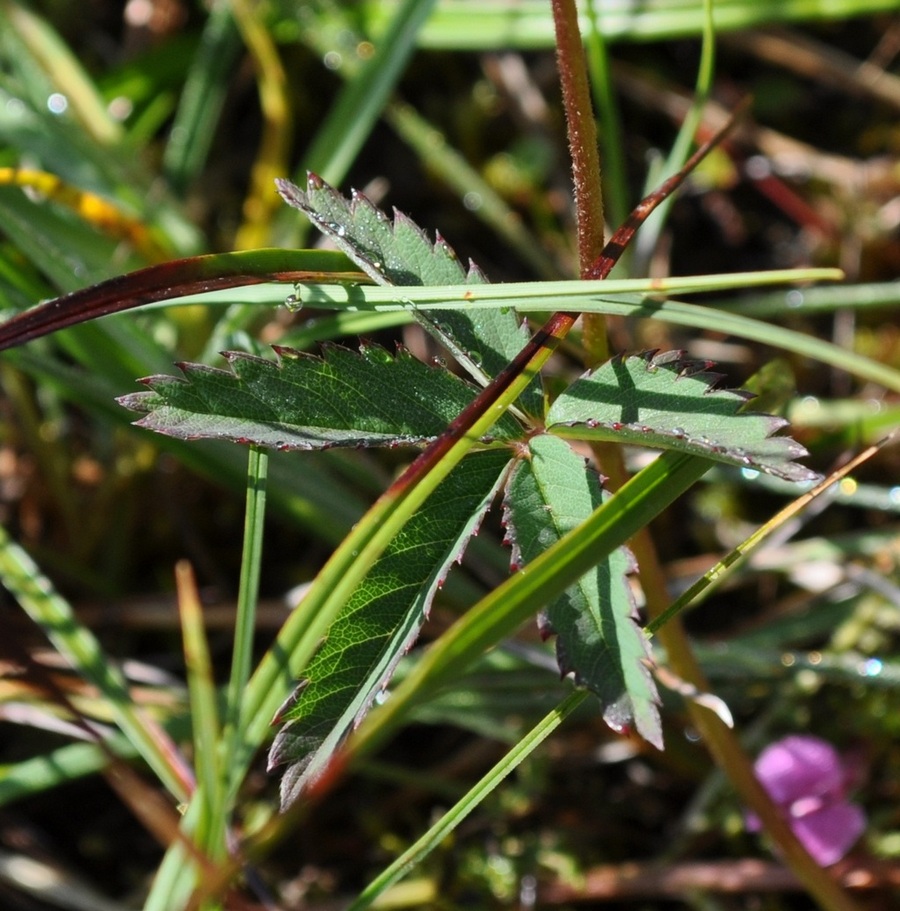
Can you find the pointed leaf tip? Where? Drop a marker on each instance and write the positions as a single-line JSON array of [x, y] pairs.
[[667, 401], [398, 252], [302, 401], [380, 621], [598, 640]]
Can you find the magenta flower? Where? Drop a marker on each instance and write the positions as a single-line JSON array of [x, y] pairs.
[[806, 777]]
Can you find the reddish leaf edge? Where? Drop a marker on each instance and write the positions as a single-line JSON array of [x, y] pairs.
[[178, 278]]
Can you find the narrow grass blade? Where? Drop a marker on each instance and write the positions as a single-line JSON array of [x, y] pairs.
[[201, 685], [454, 816], [34, 592], [45, 47], [56, 767], [248, 593], [172, 279], [202, 98], [483, 25], [718, 573], [359, 105], [588, 300]]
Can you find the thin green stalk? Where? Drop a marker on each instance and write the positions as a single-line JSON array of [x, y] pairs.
[[676, 312], [346, 291], [204, 713], [248, 594], [676, 158], [717, 574], [207, 817], [424, 845], [611, 138], [60, 766]]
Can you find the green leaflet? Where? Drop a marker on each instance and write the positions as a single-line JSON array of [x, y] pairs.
[[380, 622], [550, 492], [668, 402], [305, 402], [399, 252]]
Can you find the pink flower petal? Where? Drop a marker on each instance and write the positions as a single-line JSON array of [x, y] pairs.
[[828, 834], [798, 767]]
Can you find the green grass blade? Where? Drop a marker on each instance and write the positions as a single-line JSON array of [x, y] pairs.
[[593, 299], [648, 236], [801, 302], [248, 592], [56, 767], [484, 25], [202, 98], [198, 664], [245, 625], [361, 102], [34, 592], [424, 845], [41, 46]]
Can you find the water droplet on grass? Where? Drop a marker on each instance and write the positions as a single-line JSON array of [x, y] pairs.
[[871, 667], [57, 103], [472, 201]]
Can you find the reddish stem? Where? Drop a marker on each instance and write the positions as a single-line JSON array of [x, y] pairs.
[[582, 132]]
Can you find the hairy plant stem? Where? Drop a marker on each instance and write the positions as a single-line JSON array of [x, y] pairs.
[[582, 132]]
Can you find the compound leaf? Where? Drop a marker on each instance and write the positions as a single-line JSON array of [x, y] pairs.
[[306, 402], [668, 402], [398, 252], [380, 622], [551, 491]]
